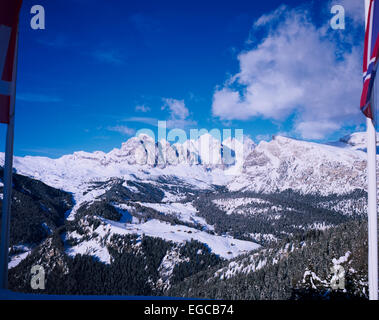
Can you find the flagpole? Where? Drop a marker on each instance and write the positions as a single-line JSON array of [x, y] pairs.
[[7, 193], [372, 208], [372, 195]]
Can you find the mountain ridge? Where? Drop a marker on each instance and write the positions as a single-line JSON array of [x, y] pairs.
[[269, 166], [177, 220]]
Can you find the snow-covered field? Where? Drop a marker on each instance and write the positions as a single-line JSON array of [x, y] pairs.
[[91, 247], [224, 246], [185, 212]]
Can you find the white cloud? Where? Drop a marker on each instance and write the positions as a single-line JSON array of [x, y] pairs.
[[295, 69], [177, 116], [176, 108], [263, 137], [178, 113], [270, 17], [123, 130], [143, 108], [316, 130], [145, 120]]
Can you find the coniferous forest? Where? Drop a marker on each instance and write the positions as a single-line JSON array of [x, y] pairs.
[[293, 263]]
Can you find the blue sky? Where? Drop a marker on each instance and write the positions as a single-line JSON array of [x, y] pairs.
[[101, 70]]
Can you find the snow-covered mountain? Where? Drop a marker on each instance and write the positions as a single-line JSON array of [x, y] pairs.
[[200, 162], [277, 165], [357, 140], [172, 203], [308, 167]]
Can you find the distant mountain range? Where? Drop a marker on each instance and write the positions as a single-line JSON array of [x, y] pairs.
[[270, 166], [179, 210]]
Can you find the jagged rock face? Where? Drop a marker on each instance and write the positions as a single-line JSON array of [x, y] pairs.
[[137, 150], [144, 151], [303, 166], [280, 164]]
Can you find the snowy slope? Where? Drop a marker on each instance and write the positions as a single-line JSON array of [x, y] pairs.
[[276, 165], [307, 167], [357, 140], [185, 212], [224, 246], [138, 157]]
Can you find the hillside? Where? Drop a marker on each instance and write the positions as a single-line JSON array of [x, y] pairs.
[[103, 223]]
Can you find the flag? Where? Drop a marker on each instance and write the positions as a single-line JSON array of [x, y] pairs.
[[370, 57], [9, 12]]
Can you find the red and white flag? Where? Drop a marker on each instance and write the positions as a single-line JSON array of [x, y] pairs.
[[9, 12], [370, 57]]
